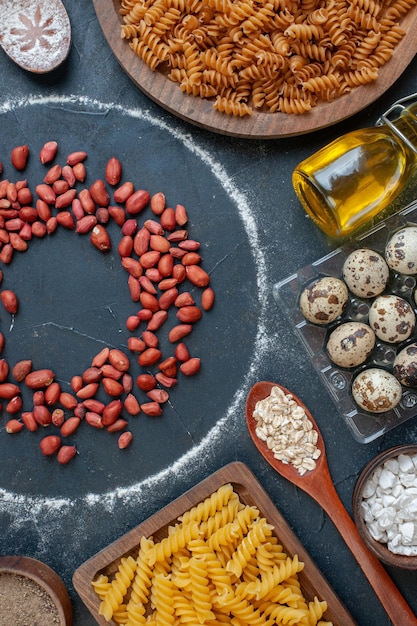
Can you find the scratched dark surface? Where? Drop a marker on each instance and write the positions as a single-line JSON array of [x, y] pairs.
[[74, 300]]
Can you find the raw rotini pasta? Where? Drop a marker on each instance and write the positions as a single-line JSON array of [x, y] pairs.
[[219, 563], [113, 597], [228, 49]]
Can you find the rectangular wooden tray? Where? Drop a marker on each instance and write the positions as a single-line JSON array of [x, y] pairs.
[[250, 493]]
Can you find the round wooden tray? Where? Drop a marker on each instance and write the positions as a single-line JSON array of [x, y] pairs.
[[259, 125]]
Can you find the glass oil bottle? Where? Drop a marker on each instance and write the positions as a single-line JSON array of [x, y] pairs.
[[350, 182]]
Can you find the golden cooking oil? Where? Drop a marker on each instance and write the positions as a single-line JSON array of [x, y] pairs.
[[353, 179]]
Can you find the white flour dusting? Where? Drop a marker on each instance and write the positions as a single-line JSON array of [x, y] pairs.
[[36, 35], [40, 510]]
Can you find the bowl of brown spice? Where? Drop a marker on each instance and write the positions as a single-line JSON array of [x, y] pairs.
[[32, 593]]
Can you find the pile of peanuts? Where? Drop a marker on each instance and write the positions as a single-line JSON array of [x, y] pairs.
[[159, 258]]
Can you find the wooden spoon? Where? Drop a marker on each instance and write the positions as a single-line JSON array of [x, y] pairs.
[[319, 485], [35, 34]]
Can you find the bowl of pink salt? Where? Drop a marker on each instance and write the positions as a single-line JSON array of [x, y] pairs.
[[32, 593]]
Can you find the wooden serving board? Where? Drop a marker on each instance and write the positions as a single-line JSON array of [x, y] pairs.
[[251, 493], [259, 125]]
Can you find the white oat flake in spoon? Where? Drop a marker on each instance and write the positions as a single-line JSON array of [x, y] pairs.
[[35, 34], [286, 430]]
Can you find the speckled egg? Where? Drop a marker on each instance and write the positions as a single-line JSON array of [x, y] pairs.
[[376, 390], [392, 318], [366, 273], [350, 344], [401, 251], [405, 366], [324, 300]]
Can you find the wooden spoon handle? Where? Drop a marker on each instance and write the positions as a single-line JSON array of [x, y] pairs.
[[390, 597]]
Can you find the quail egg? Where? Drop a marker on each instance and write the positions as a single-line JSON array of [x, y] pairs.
[[350, 344], [324, 300], [405, 366], [392, 318], [376, 390], [401, 251], [366, 273]]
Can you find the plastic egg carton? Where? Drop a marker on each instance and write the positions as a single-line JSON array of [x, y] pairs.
[[365, 427]]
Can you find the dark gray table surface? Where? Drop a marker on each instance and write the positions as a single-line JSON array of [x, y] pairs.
[[254, 233]]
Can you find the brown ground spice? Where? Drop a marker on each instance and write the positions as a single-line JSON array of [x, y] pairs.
[[25, 603]]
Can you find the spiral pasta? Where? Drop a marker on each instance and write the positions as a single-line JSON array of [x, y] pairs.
[[114, 595], [219, 563], [229, 48]]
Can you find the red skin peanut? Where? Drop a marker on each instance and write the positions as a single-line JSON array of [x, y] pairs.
[[94, 419], [146, 382], [136, 344], [190, 367], [70, 426], [65, 199], [149, 357], [168, 298], [112, 387], [119, 360], [117, 213], [101, 357], [48, 152], [14, 405], [118, 425], [207, 299], [181, 352], [14, 426], [157, 319], [152, 408], [197, 276], [4, 370], [137, 202], [50, 444], [79, 172], [100, 238], [29, 421], [132, 322], [158, 395], [8, 391], [65, 219], [76, 157], [88, 391], [42, 415], [158, 203], [67, 400], [179, 331], [165, 381], [125, 440], [141, 241], [52, 393], [123, 192], [96, 406], [112, 412], [131, 405], [65, 454], [58, 417], [99, 193], [109, 371], [19, 157], [150, 339], [9, 301], [127, 382], [181, 216], [113, 172]]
